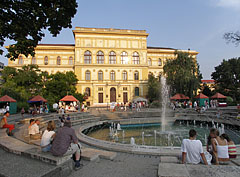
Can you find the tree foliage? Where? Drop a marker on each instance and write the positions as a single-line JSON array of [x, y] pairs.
[[227, 78], [206, 90], [153, 93], [183, 74], [233, 37], [24, 21], [22, 84]]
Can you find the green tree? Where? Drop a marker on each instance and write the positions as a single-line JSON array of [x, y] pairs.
[[183, 74], [227, 78], [24, 21], [207, 91], [153, 93], [233, 37], [59, 85]]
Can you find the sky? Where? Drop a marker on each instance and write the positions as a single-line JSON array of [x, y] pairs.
[[180, 24]]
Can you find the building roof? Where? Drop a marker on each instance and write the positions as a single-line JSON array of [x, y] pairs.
[[149, 47], [37, 98], [218, 95], [208, 81], [201, 95], [7, 98], [69, 98], [179, 96]]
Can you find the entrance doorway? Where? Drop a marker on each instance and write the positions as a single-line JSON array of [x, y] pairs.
[[100, 97], [125, 97], [112, 94]]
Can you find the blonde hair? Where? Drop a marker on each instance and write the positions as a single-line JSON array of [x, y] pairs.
[[51, 125]]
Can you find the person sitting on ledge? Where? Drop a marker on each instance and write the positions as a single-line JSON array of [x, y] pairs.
[[220, 148], [4, 123], [33, 129], [192, 149], [66, 143], [48, 136], [232, 150]]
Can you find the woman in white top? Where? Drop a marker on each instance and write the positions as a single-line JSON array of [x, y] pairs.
[[220, 149], [48, 136]]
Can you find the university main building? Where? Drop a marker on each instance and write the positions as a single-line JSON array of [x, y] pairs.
[[112, 65]]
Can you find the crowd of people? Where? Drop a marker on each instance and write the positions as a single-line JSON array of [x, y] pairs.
[[62, 142], [129, 106], [220, 149]]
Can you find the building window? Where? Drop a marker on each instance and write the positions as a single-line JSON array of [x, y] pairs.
[[136, 75], [34, 60], [124, 88], [124, 75], [112, 75], [87, 76], [136, 58], [100, 88], [100, 57], [70, 60], [100, 75], [124, 58], [20, 60], [149, 62], [112, 57], [88, 91], [46, 60], [87, 57], [136, 91], [159, 62], [58, 60]]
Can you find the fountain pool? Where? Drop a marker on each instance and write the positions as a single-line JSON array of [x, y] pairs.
[[151, 135]]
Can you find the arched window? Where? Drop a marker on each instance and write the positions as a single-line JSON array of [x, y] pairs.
[[58, 60], [149, 62], [136, 91], [70, 60], [100, 75], [88, 91], [20, 60], [34, 60], [112, 57], [100, 57], [87, 57], [46, 60], [124, 75], [159, 62], [124, 58], [136, 75], [87, 75], [112, 75], [136, 58]]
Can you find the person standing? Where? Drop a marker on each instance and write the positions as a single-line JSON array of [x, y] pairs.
[[22, 112], [66, 143], [192, 150], [4, 123]]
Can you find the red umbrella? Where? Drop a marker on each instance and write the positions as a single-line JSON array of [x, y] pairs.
[[37, 98], [6, 98], [69, 98], [201, 95], [218, 95], [179, 96]]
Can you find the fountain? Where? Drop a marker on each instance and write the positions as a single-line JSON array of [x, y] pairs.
[[132, 141], [119, 126], [143, 138], [194, 123], [155, 137], [165, 100], [123, 136]]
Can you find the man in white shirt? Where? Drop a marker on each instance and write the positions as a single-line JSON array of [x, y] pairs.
[[192, 149]]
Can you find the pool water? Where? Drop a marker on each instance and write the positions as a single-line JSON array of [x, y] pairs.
[[152, 136]]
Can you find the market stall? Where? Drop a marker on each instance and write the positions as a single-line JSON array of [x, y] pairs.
[[8, 101]]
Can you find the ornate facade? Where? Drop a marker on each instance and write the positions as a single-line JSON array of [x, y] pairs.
[[112, 65]]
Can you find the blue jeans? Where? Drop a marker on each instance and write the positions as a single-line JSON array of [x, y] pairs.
[[47, 148]]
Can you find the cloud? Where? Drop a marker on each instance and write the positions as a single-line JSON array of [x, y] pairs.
[[235, 4]]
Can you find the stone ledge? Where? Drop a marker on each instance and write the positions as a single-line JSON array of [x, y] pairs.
[[172, 170]]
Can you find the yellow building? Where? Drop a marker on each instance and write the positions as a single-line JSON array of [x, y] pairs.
[[112, 65]]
